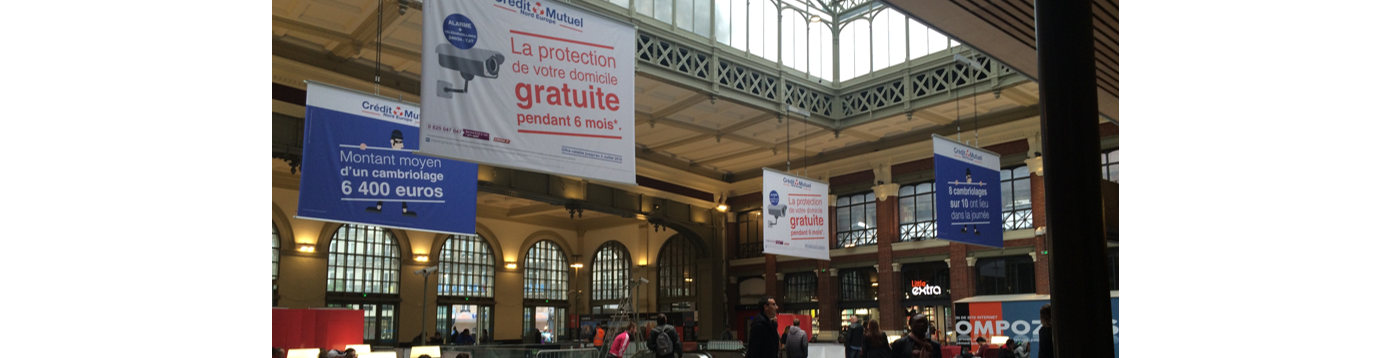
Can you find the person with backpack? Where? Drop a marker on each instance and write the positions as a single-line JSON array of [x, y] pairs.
[[664, 342]]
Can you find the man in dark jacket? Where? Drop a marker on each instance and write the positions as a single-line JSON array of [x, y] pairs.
[[855, 342], [670, 332], [1045, 333], [918, 343], [762, 335]]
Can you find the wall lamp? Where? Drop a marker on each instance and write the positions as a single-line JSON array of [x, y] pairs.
[[306, 248], [422, 258], [511, 265]]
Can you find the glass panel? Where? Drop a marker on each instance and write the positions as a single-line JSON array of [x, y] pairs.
[[1006, 196], [897, 43], [702, 14], [862, 48], [905, 212], [881, 40], [843, 221], [721, 21], [857, 215], [663, 11], [925, 208], [1023, 197], [871, 215], [920, 40], [739, 23], [1114, 174], [685, 14], [644, 7]]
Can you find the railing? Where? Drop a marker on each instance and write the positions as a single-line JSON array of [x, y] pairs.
[[751, 249], [856, 238], [568, 353], [917, 231]]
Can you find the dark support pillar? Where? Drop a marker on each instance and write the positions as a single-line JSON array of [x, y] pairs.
[[1075, 232]]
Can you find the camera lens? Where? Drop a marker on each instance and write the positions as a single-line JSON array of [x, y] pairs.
[[492, 66]]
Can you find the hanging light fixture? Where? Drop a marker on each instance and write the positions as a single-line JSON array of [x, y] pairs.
[[815, 19]]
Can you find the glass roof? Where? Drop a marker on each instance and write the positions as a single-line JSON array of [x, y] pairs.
[[872, 36]]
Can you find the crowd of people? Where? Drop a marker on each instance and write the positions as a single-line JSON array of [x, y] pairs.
[[866, 340]]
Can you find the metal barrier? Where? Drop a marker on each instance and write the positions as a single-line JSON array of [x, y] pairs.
[[724, 345], [568, 353]]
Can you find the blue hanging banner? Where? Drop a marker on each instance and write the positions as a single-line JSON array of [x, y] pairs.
[[968, 208], [359, 167]]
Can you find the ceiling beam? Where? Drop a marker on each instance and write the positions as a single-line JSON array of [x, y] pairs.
[[932, 116], [921, 135], [719, 132], [680, 142], [605, 222], [331, 35], [711, 132], [490, 212], [680, 105], [366, 32], [860, 135], [323, 59], [1018, 96], [532, 210]]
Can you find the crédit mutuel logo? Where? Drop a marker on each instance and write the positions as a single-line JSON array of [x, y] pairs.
[[796, 183], [965, 153], [537, 10], [393, 112]]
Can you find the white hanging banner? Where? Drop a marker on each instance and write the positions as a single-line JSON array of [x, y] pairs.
[[532, 85], [796, 220]]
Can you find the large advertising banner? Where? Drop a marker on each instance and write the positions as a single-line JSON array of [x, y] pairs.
[[359, 168], [1017, 320], [795, 220], [532, 85], [968, 210]]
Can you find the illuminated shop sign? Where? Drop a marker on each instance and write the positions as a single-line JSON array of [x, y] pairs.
[[921, 288]]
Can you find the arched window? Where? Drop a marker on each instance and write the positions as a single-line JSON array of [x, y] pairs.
[[547, 277], [466, 267], [1016, 191], [364, 265], [1004, 275], [856, 220], [1110, 165], [750, 234], [467, 279], [917, 211], [800, 287], [274, 252], [858, 284], [676, 271], [609, 275]]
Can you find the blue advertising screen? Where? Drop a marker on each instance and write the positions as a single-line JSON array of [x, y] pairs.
[[359, 167], [968, 208]]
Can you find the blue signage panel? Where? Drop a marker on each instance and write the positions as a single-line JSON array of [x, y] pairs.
[[359, 167], [968, 208]]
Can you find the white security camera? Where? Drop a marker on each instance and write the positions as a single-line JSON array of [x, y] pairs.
[[427, 270], [470, 63], [642, 280], [776, 211]]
